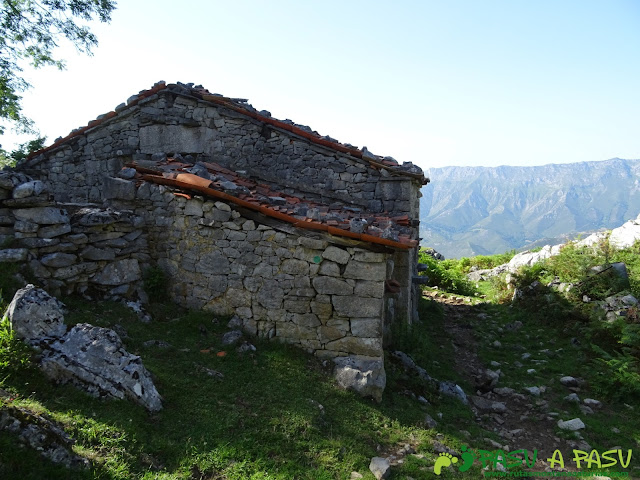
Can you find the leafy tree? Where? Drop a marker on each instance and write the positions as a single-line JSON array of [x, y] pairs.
[[29, 31], [10, 159]]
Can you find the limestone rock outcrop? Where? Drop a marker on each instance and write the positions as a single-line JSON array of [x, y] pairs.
[[95, 359], [90, 357], [34, 314]]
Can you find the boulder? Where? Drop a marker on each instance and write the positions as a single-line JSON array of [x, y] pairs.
[[34, 315], [571, 425], [380, 467], [94, 359], [626, 235], [364, 375]]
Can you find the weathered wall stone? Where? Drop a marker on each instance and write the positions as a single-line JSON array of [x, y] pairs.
[[301, 287], [171, 122], [71, 248]]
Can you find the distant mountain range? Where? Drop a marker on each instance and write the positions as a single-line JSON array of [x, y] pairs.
[[467, 211]]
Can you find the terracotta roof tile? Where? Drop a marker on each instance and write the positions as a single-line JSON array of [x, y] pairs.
[[228, 185], [240, 106]]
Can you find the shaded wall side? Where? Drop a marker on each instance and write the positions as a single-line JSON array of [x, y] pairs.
[[298, 289]]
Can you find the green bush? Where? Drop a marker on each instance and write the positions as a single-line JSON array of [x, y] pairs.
[[490, 261], [155, 283], [447, 275]]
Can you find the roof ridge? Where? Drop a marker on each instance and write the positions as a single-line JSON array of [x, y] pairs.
[[241, 106]]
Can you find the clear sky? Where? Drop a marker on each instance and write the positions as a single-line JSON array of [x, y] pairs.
[[447, 82]]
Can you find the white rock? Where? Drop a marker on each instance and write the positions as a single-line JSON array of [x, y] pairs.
[[380, 467], [590, 402], [35, 314], [362, 375], [625, 235], [571, 425], [94, 359]]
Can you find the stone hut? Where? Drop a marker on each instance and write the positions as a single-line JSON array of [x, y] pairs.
[[307, 240]]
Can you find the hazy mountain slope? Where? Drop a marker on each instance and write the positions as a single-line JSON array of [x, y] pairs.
[[484, 210]]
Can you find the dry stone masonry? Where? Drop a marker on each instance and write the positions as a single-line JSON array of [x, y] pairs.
[[70, 248], [307, 240]]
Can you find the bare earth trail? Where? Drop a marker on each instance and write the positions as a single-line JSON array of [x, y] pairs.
[[518, 420]]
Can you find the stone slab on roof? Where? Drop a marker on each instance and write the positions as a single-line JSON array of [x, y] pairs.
[[243, 107], [216, 181]]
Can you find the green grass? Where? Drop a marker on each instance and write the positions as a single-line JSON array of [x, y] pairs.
[[261, 421]]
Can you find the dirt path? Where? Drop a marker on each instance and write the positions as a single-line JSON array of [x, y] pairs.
[[520, 420]]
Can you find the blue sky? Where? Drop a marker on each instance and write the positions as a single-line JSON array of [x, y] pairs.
[[433, 82]]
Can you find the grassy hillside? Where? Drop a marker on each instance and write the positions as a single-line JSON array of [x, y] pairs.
[[271, 414], [276, 413]]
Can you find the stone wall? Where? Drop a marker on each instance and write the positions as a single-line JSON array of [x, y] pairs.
[[173, 122], [284, 283], [70, 247]]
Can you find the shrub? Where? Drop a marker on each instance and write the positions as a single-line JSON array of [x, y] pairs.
[[447, 276], [155, 283]]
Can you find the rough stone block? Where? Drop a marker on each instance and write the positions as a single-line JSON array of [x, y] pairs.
[[295, 267], [336, 254], [118, 188], [329, 268], [323, 310], [42, 215], [328, 334], [25, 227], [369, 289], [312, 243], [356, 345], [366, 327], [365, 270], [93, 253], [10, 255], [352, 306], [270, 295], [331, 286], [54, 230], [118, 273], [174, 138], [296, 305], [366, 256], [57, 260], [308, 320]]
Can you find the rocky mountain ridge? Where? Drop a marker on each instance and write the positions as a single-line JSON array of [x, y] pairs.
[[467, 211]]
